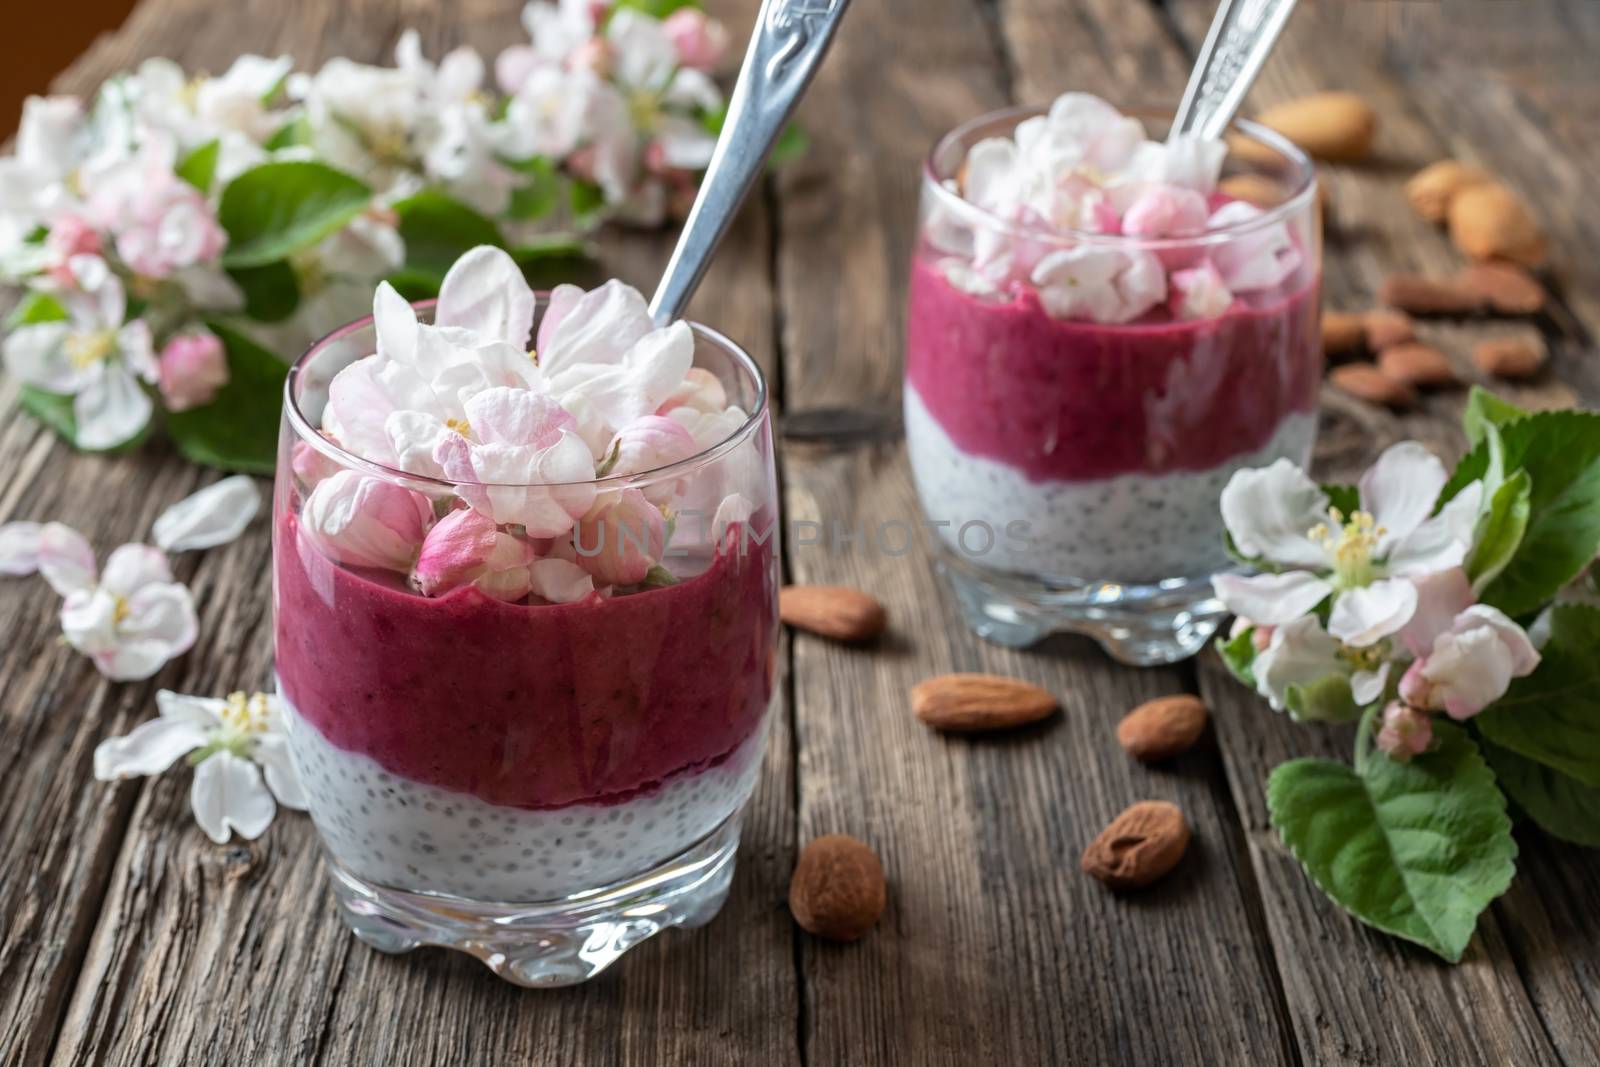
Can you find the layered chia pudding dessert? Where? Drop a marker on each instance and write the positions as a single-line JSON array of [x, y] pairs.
[[525, 582], [1098, 336]]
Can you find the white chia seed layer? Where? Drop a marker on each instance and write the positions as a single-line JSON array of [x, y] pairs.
[[1132, 528], [409, 835]]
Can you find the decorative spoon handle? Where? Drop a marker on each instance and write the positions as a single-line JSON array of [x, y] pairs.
[[786, 48], [1241, 37]]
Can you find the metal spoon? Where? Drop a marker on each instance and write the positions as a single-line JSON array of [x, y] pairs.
[[1242, 35], [786, 48]]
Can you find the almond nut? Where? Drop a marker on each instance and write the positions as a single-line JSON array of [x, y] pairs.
[[1141, 845], [1338, 127], [1162, 728], [1366, 382], [838, 889], [1257, 189], [1505, 287], [971, 702], [1491, 222], [835, 611], [1509, 357], [1385, 328], [1426, 296], [1416, 364], [1432, 188], [1341, 332]]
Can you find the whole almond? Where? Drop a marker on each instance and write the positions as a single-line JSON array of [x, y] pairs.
[[1140, 846], [1385, 328], [1491, 222], [966, 703], [1366, 382], [838, 889], [1509, 357], [1505, 287], [1432, 188], [1162, 728], [835, 611], [1341, 332], [1417, 364], [1257, 189], [1338, 127], [1427, 296]]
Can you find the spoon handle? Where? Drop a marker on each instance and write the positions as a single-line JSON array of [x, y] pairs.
[[1242, 35], [786, 48]]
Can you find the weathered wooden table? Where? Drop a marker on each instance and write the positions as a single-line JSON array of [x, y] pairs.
[[127, 937]]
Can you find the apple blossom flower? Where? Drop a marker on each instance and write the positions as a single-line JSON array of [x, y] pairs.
[[1200, 292], [130, 620], [647, 443], [1405, 732], [242, 769], [1297, 652], [1100, 284], [1260, 259], [94, 356], [560, 581], [161, 222], [193, 367], [363, 521], [1470, 665], [467, 548], [71, 234], [1365, 561], [621, 537], [1166, 211], [699, 40], [215, 515], [700, 390]]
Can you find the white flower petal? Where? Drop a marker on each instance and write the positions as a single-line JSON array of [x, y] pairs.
[[161, 617], [111, 409], [1367, 686], [228, 795], [1400, 490], [132, 567], [395, 323], [65, 559], [1362, 616], [88, 621], [36, 354], [1268, 510], [150, 748], [272, 754], [636, 386], [486, 292], [599, 327], [202, 711], [1271, 599], [213, 516], [19, 547], [1298, 653], [559, 581], [1442, 542]]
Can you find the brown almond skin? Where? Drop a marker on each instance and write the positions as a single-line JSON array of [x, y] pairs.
[[1257, 189], [1366, 382], [1416, 364], [1162, 728], [1338, 127], [1492, 222], [969, 703], [1140, 846], [834, 611], [1385, 328], [1427, 296], [1509, 357], [1432, 188], [1341, 332], [838, 890], [1504, 287]]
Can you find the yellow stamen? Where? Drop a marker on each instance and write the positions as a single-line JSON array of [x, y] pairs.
[[245, 715], [1350, 545], [84, 350], [120, 610]]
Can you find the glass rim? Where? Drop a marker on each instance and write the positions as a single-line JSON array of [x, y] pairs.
[[1304, 191], [313, 436]]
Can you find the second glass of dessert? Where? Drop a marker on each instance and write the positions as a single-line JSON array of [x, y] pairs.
[[526, 617], [1102, 327]]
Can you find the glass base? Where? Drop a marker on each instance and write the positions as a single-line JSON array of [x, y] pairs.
[[1140, 625], [549, 943]]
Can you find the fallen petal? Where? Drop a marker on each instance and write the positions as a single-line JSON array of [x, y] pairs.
[[213, 516]]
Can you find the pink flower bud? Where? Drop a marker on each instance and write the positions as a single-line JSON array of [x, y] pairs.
[[310, 465], [1199, 292], [581, 162], [1406, 732], [700, 41], [70, 235], [366, 522], [621, 538], [650, 442], [455, 551], [593, 55], [1166, 211], [193, 368], [1471, 665]]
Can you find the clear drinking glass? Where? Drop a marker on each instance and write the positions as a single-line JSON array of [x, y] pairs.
[[1072, 469], [542, 785]]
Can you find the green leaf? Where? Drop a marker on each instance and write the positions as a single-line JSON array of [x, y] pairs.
[[1553, 715], [1560, 450], [1415, 849], [277, 209], [437, 229], [1563, 807], [656, 8], [1328, 699], [586, 199], [295, 132], [1239, 655], [35, 308], [1501, 529], [271, 291], [415, 285], [542, 192], [1484, 409], [550, 261], [238, 431], [200, 166]]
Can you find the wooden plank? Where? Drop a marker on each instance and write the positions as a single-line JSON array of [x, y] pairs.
[[1358, 996], [995, 948], [234, 954]]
